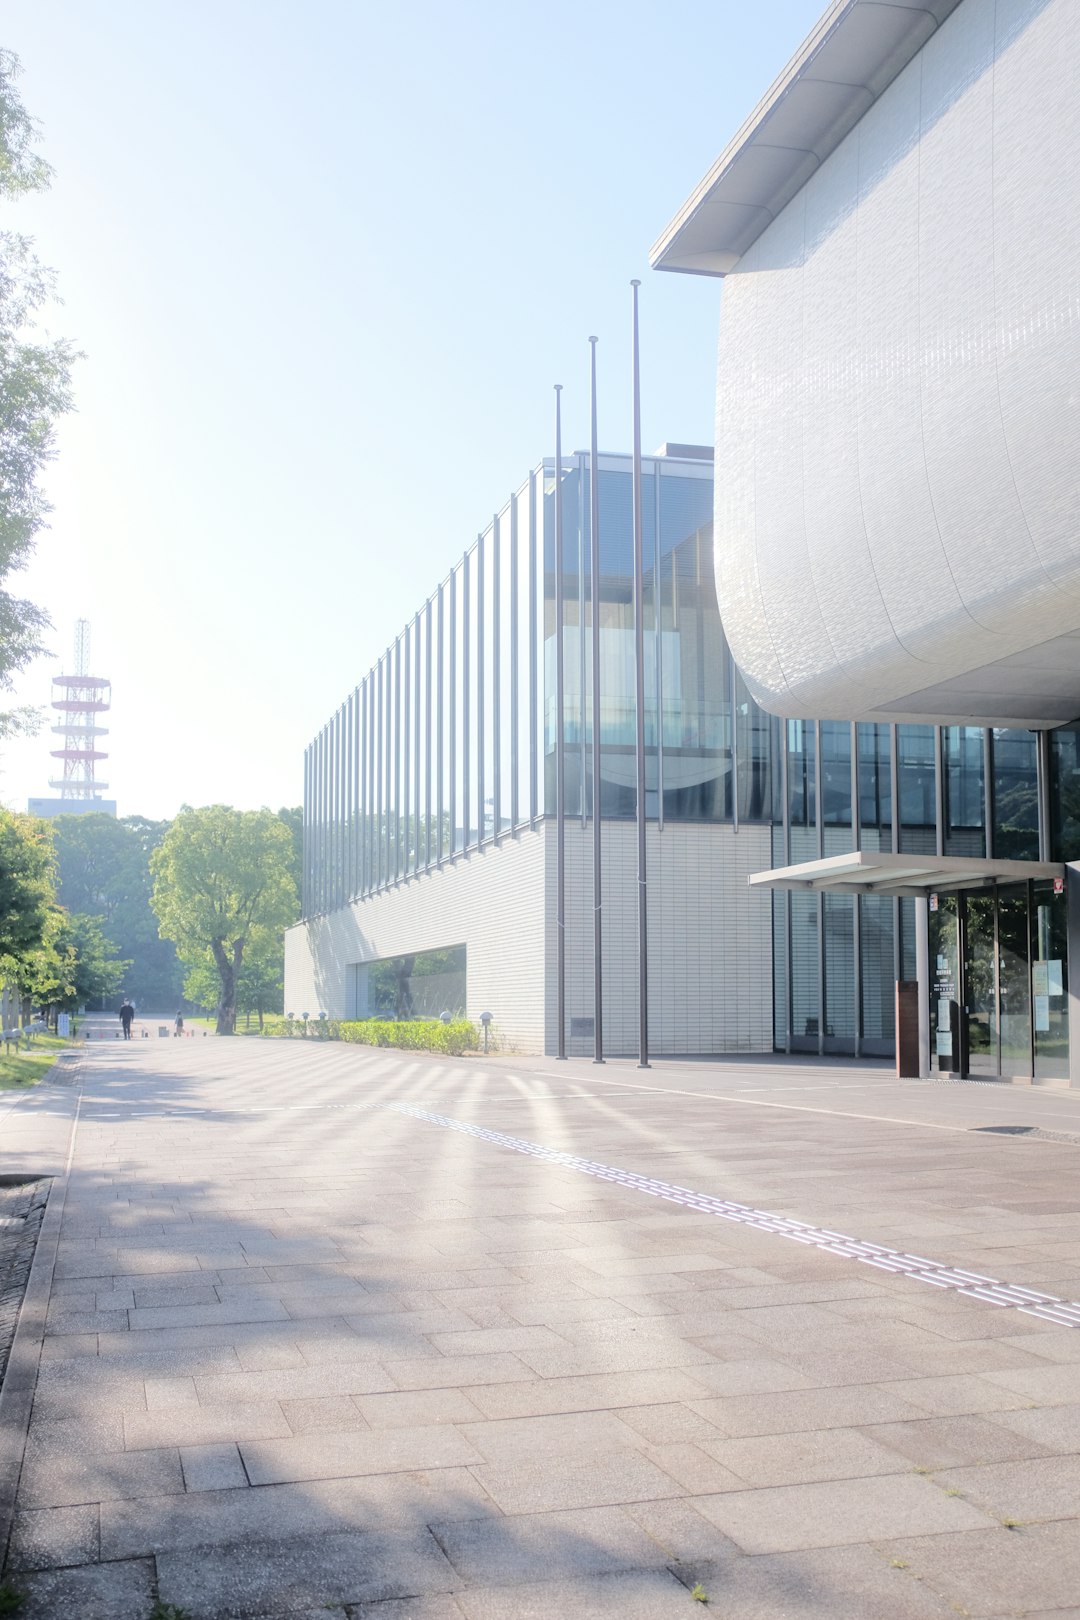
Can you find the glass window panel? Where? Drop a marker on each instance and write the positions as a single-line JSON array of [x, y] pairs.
[[917, 792], [836, 774], [1065, 793], [965, 832], [459, 709], [1015, 795], [839, 967], [801, 744], [486, 584], [1050, 982], [696, 667], [877, 981], [423, 985], [405, 722], [505, 684], [473, 805], [875, 786]]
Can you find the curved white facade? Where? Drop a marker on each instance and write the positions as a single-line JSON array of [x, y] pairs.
[[898, 412]]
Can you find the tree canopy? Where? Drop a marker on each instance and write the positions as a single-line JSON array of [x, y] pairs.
[[104, 871], [35, 390], [221, 877]]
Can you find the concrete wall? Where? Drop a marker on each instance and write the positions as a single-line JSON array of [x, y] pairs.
[[897, 467], [491, 901], [710, 939]]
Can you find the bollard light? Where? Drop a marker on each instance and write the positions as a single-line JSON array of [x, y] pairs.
[[485, 1019]]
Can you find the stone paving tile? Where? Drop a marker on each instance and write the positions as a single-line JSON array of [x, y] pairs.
[[212, 1468], [551, 1437], [449, 1372], [293, 1383], [92, 1592], [670, 1424], [799, 1459], [326, 1414], [1000, 1572], [787, 1411], [836, 1583], [602, 1480], [1044, 1429], [345, 1568], [642, 1595], [601, 1392], [339, 1456], [547, 1546], [61, 1481], [1032, 1488], [693, 1467], [444, 1607], [278, 1512], [788, 1517], [955, 1395], [203, 1425], [951, 1442], [417, 1408], [54, 1537]]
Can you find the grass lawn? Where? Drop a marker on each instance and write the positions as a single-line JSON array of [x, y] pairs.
[[20, 1069], [211, 1023]]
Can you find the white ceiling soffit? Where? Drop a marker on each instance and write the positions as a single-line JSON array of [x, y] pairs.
[[866, 871], [852, 56]]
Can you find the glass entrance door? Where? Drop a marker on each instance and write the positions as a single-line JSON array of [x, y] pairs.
[[979, 991], [1014, 981]]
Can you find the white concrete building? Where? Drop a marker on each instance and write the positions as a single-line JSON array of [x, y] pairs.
[[898, 487]]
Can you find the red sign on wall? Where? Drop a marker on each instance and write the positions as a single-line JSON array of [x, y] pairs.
[[1059, 885]]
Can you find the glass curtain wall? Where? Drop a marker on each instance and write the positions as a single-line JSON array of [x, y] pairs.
[[450, 741]]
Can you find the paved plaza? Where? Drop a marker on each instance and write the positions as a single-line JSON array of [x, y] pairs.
[[338, 1332]]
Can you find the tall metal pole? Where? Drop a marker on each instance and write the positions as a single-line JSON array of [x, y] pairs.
[[594, 589], [560, 743], [639, 676]]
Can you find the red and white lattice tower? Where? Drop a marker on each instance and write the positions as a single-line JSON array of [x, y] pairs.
[[81, 699]]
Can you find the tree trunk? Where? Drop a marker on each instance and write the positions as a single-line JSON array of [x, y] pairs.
[[227, 968]]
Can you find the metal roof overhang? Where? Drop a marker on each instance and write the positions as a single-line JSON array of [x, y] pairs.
[[852, 56], [871, 871]]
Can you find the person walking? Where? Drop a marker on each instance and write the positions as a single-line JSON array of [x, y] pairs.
[[127, 1013], [179, 1030]]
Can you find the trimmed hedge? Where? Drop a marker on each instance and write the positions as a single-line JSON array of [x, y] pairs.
[[413, 1035]]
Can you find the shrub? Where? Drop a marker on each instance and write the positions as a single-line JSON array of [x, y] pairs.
[[412, 1035]]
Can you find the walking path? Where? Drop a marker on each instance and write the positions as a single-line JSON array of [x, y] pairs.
[[338, 1332]]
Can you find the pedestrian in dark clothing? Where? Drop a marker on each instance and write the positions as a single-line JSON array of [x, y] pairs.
[[127, 1013], [179, 1023]]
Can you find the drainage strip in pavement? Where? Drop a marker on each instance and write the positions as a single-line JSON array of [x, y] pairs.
[[1047, 1306]]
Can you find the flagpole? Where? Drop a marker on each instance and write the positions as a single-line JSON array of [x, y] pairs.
[[639, 680], [560, 742], [594, 587]]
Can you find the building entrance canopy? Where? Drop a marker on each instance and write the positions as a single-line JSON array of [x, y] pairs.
[[871, 871]]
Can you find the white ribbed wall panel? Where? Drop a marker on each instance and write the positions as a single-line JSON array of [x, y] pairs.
[[898, 467], [710, 938], [491, 901]]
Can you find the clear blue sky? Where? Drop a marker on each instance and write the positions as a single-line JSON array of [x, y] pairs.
[[326, 261]]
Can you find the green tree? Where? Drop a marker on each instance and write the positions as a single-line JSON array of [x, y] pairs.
[[26, 884], [104, 871], [260, 985], [35, 391], [220, 875]]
